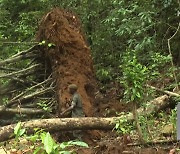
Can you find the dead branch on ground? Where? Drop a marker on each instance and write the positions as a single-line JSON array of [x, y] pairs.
[[164, 91]]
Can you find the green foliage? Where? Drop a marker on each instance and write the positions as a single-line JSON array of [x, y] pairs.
[[44, 143], [146, 123], [49, 144], [121, 26], [18, 131], [123, 126], [65, 145], [103, 75], [158, 62], [134, 77], [42, 43], [51, 45], [36, 136], [44, 106], [173, 117], [48, 44], [51, 147]]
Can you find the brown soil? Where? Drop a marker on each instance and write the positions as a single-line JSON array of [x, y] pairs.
[[70, 59]]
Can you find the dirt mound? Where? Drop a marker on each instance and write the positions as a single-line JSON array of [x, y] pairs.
[[69, 56]]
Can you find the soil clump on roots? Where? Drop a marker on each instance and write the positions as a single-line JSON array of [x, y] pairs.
[[69, 57]]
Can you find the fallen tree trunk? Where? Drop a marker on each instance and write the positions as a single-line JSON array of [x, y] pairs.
[[87, 123], [153, 106], [58, 124]]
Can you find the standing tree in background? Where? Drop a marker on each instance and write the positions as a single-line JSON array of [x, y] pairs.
[[134, 79]]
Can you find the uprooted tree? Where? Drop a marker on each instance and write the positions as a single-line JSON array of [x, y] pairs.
[[60, 58]]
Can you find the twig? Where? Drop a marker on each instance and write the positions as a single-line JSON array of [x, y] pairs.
[[25, 51], [20, 43], [21, 71], [164, 91], [51, 103], [32, 95], [16, 79], [37, 85], [170, 52], [165, 36], [24, 111], [153, 143], [20, 55], [9, 89], [17, 58], [8, 69]]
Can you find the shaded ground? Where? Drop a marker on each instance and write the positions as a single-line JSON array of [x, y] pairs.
[[105, 145]]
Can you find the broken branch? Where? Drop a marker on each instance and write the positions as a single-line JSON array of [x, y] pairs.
[[37, 85], [21, 71], [28, 111], [164, 91], [32, 95]]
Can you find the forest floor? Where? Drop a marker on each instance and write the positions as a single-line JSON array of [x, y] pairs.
[[110, 142], [105, 142]]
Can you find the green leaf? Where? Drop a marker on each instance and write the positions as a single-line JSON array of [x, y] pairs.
[[37, 150], [64, 152], [79, 143], [63, 145], [48, 143], [123, 130], [21, 132], [17, 128], [33, 138], [138, 95], [50, 45], [56, 146], [117, 125], [43, 42], [43, 136]]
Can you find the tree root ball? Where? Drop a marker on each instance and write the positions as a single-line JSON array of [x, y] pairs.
[[69, 55]]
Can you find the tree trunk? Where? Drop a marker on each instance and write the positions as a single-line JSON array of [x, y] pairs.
[[86, 123], [1, 102], [58, 124], [153, 106], [135, 115]]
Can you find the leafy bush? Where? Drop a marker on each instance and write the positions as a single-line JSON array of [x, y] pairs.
[[134, 77], [103, 75], [44, 143]]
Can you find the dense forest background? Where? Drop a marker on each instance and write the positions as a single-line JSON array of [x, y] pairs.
[[133, 43], [112, 28]]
